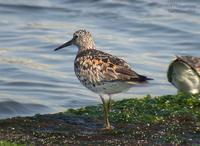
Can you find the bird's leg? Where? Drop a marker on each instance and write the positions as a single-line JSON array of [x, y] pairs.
[[109, 102], [105, 112], [106, 108], [109, 108]]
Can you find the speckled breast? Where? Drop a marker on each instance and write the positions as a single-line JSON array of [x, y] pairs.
[[86, 71]]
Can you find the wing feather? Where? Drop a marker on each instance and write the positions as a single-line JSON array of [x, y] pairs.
[[98, 66]]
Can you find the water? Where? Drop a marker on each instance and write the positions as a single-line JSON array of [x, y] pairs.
[[35, 79]]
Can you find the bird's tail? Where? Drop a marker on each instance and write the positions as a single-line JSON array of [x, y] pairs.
[[144, 78], [149, 78]]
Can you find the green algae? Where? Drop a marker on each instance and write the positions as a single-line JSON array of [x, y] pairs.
[[7, 143], [148, 109]]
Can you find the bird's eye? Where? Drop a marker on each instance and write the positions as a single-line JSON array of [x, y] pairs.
[[75, 36]]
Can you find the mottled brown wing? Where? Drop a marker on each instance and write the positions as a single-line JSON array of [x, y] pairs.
[[98, 66]]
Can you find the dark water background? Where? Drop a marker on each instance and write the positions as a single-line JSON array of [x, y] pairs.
[[146, 33]]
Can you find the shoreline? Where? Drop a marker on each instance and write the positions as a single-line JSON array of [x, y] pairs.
[[162, 120]]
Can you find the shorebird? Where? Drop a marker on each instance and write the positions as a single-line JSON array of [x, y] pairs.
[[184, 74], [101, 72]]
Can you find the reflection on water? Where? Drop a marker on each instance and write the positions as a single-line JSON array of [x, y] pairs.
[[36, 79]]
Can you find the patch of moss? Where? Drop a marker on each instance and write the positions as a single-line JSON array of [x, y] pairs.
[[148, 109], [7, 143]]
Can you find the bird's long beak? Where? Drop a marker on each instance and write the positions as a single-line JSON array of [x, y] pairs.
[[64, 45]]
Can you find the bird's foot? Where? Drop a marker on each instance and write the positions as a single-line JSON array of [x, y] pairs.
[[107, 128]]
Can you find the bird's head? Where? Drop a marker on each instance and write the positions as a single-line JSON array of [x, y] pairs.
[[82, 39]]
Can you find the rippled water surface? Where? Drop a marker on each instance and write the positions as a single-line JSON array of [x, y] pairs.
[[147, 34]]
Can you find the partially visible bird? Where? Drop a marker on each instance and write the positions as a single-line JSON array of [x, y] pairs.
[[101, 72], [184, 74]]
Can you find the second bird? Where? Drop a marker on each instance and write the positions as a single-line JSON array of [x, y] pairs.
[[101, 72]]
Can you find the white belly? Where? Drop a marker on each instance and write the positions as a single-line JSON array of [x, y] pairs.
[[185, 79], [110, 87]]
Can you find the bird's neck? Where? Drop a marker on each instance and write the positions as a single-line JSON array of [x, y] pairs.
[[89, 47]]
